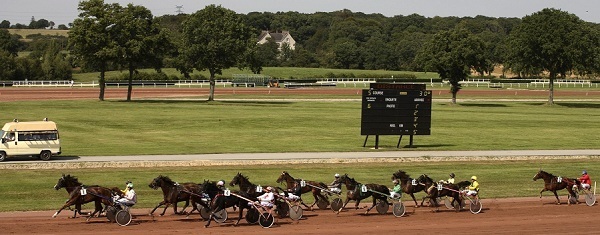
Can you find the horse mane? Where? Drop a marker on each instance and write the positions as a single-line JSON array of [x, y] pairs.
[[71, 178], [463, 184], [426, 178], [243, 177], [400, 174], [166, 179]]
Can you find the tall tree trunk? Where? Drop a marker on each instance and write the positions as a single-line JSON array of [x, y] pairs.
[[211, 94], [551, 87], [102, 84], [130, 85], [454, 97]]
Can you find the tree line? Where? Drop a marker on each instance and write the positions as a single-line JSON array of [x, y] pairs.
[[109, 36]]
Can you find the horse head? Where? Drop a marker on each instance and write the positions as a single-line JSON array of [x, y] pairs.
[[283, 177], [425, 179], [160, 181], [539, 175], [66, 181], [239, 179], [400, 174]]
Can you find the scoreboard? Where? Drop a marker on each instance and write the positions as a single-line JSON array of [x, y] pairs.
[[396, 109]]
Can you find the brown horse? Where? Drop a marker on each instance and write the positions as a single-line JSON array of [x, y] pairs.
[[355, 192], [245, 185], [407, 184], [70, 183], [553, 183], [448, 190], [292, 187], [84, 194], [174, 192], [219, 201]]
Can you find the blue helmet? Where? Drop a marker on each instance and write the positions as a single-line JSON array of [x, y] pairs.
[[584, 172]]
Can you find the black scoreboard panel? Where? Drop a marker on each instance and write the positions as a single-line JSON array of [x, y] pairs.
[[396, 112]]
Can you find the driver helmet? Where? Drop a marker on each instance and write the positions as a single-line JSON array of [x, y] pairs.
[[452, 175], [129, 184], [474, 177], [221, 183], [395, 181], [584, 172], [269, 189], [336, 175]]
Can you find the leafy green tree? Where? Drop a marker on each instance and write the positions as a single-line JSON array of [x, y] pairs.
[[554, 41], [91, 38], [5, 24], [216, 38], [139, 41], [452, 54], [9, 43]]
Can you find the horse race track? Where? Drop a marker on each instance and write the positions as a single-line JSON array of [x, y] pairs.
[[498, 216]]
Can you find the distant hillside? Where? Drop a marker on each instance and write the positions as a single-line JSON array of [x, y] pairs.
[[25, 32]]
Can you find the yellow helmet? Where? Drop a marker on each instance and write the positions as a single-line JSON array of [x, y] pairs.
[[474, 177]]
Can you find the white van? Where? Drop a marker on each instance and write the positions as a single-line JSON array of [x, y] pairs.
[[29, 139]]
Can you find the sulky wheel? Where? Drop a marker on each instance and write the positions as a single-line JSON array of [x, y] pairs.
[[266, 220], [322, 204], [220, 216], [123, 217], [448, 203], [204, 212], [590, 199], [252, 216], [382, 207], [283, 209], [475, 206], [111, 213], [296, 212], [336, 204], [398, 209]]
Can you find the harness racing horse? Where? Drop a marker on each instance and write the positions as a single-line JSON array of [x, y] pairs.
[[553, 183], [291, 185], [219, 201], [82, 195], [356, 194], [407, 184], [70, 183], [448, 190], [245, 185], [174, 193]]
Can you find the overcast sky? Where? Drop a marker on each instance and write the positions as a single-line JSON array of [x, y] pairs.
[[65, 11]]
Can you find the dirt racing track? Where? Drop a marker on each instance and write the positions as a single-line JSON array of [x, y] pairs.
[[498, 216]]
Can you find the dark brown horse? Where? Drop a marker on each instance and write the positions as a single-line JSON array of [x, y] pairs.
[[553, 183], [70, 183], [84, 194], [245, 185], [174, 192], [409, 185], [356, 193], [219, 201], [292, 187], [448, 190]]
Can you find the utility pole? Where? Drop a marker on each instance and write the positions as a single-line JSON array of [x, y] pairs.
[[179, 11]]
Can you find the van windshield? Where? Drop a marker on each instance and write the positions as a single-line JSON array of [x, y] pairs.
[[1, 134]]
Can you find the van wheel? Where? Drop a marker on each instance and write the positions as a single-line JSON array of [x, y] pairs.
[[2, 156], [45, 155]]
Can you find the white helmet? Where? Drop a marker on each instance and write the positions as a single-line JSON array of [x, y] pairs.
[[269, 189], [221, 183], [336, 175]]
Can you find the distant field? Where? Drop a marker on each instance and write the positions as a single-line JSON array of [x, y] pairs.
[[25, 32]]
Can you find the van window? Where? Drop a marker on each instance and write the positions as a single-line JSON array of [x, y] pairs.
[[38, 135]]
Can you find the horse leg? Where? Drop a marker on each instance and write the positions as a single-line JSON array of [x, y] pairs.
[[187, 203], [557, 199], [240, 214], [97, 207], [374, 204], [157, 206], [69, 203], [414, 199], [210, 218]]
